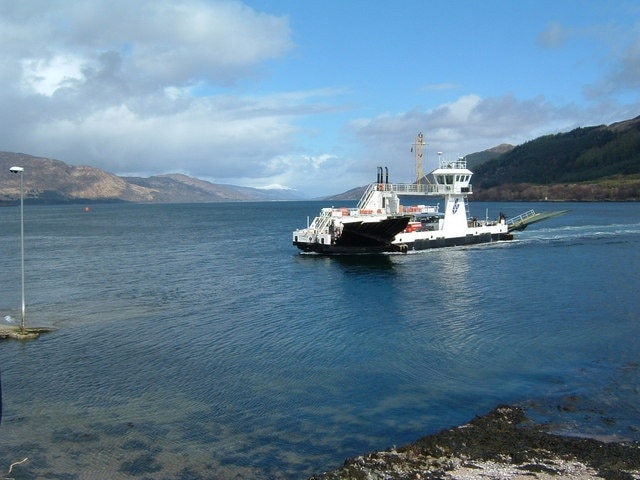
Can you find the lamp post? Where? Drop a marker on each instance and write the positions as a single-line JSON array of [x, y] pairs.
[[20, 170]]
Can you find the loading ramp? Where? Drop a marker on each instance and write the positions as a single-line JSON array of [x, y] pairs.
[[525, 219]]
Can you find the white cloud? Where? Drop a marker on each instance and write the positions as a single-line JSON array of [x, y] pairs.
[[206, 132], [467, 125], [157, 43], [220, 41], [45, 76]]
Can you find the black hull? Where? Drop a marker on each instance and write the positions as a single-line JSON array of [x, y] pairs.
[[335, 249], [456, 242], [405, 247], [362, 237]]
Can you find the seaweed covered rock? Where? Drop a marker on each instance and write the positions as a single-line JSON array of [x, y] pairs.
[[503, 444]]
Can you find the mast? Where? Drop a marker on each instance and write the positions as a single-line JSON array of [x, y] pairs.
[[418, 154]]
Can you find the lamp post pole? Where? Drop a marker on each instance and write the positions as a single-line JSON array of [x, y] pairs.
[[20, 170]]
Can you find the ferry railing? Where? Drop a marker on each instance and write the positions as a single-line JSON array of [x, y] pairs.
[[369, 193], [459, 164], [323, 222], [425, 188], [520, 218]]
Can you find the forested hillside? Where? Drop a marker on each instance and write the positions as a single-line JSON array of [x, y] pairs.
[[591, 163]]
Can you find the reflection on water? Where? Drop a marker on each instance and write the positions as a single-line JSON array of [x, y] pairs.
[[360, 262]]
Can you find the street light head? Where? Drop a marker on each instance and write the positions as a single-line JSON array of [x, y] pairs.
[[16, 169]]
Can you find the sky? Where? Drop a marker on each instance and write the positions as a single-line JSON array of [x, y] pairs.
[[311, 95]]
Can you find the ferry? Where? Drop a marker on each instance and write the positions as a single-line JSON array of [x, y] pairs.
[[381, 223]]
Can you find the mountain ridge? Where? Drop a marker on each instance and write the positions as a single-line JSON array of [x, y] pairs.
[[53, 181]]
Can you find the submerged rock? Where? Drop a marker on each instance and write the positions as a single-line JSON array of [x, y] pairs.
[[503, 444]]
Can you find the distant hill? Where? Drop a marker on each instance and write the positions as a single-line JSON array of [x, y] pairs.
[[178, 188], [353, 194], [52, 181], [590, 163], [478, 158]]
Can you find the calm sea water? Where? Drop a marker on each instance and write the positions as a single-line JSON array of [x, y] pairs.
[[194, 341]]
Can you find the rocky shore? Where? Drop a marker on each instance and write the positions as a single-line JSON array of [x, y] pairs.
[[503, 444]]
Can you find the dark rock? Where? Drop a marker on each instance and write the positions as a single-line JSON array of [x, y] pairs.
[[503, 438]]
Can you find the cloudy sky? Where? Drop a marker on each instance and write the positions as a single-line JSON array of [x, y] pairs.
[[309, 94]]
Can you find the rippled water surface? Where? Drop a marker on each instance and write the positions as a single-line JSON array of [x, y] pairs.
[[193, 341]]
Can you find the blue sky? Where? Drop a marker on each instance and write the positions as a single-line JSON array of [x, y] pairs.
[[308, 94]]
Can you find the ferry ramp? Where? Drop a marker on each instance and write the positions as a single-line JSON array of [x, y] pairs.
[[525, 219]]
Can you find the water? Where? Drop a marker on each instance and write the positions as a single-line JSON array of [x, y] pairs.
[[193, 341]]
